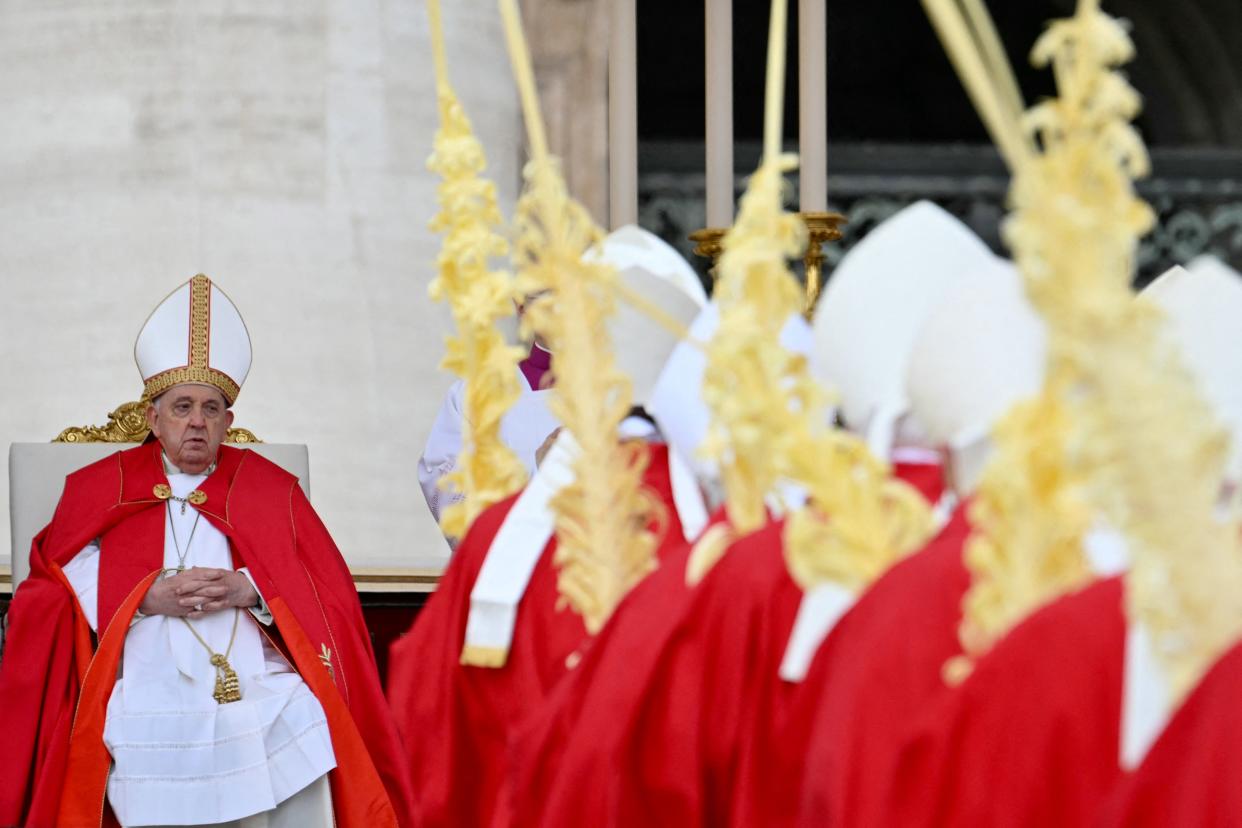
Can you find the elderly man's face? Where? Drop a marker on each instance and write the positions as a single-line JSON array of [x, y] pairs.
[[190, 422]]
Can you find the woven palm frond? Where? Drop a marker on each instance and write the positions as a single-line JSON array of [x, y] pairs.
[[770, 419], [606, 521], [749, 375], [487, 470], [1119, 432]]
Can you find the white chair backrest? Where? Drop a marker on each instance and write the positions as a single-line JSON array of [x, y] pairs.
[[37, 474]]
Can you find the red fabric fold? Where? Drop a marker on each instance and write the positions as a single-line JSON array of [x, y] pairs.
[[676, 716], [1031, 737], [869, 682], [564, 763], [1190, 777], [457, 720]]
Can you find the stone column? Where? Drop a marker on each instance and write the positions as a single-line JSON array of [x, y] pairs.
[[569, 47]]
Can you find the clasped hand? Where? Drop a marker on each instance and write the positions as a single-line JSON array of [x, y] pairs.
[[198, 591]]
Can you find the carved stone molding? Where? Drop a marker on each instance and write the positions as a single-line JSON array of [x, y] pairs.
[[127, 423]]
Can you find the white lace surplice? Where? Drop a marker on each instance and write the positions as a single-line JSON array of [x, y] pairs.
[[179, 758]]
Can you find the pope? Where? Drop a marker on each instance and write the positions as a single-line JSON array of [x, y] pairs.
[[189, 648]]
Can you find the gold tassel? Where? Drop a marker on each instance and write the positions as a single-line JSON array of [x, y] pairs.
[[228, 688]]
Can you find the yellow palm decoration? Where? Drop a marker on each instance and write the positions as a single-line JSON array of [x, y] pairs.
[[1119, 430], [487, 470], [1030, 516], [604, 543], [769, 418], [858, 521], [747, 383]]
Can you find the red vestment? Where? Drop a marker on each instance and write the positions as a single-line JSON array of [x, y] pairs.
[[54, 686], [1032, 736], [562, 757], [670, 719], [868, 682], [457, 719], [1191, 776]]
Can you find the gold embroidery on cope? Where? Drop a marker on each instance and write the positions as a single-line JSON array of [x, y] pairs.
[[325, 655]]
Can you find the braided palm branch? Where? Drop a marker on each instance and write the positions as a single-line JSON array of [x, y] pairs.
[[487, 470]]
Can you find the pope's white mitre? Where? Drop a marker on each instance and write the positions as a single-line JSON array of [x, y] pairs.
[[196, 335]]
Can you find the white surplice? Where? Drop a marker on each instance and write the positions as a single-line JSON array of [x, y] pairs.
[[523, 428], [530, 524], [179, 758]]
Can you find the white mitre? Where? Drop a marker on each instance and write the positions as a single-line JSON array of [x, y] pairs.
[[979, 351], [871, 309], [196, 335], [647, 267], [1203, 304], [631, 246]]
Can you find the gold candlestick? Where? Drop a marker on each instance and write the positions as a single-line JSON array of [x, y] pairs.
[[707, 242], [820, 228]]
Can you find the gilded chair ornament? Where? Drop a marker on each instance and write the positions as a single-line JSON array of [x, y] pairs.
[[127, 423]]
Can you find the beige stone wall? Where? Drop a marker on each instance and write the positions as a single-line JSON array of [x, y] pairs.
[[569, 46], [278, 146]]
